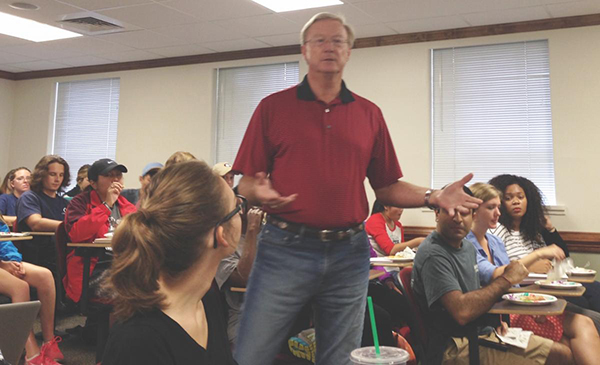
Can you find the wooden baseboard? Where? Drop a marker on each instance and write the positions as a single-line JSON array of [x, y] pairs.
[[576, 241]]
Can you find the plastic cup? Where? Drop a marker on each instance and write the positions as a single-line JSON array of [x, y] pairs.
[[387, 356]]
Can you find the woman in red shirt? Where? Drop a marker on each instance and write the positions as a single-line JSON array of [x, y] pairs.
[[385, 231]]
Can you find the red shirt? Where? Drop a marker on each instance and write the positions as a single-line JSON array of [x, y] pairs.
[[376, 228], [321, 151]]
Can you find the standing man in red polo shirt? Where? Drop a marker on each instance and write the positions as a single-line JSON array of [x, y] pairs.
[[304, 158]]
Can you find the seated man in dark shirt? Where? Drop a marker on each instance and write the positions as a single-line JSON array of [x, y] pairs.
[[446, 286]]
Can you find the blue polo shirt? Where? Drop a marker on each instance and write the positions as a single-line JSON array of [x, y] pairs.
[[498, 252]]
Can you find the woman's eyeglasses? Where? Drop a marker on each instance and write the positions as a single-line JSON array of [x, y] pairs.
[[241, 208]]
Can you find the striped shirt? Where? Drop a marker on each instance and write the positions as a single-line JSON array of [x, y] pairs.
[[516, 245]]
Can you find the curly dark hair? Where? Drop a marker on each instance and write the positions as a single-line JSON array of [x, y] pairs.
[[41, 171], [533, 221]]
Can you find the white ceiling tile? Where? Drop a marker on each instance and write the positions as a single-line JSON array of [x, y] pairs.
[[201, 33], [83, 61], [41, 65], [6, 57], [6, 40], [354, 16], [103, 4], [42, 51], [235, 45], [281, 39], [178, 51], [129, 56], [88, 45], [261, 25], [372, 30], [506, 16], [149, 16], [12, 68], [574, 8], [396, 10], [218, 9], [424, 25], [141, 39]]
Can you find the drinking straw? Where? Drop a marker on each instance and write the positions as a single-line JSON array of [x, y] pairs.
[[373, 326]]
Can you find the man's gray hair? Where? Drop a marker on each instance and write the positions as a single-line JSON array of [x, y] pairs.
[[323, 16]]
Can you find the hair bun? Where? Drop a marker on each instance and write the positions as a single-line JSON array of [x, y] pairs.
[[145, 214]]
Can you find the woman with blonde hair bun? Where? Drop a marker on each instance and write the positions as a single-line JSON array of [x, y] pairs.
[[165, 258], [179, 156]]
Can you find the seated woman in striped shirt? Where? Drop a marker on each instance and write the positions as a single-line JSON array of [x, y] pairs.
[[524, 228]]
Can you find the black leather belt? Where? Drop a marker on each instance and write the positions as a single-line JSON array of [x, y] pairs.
[[324, 235]]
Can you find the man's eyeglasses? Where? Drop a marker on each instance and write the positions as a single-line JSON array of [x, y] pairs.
[[335, 42], [241, 208]]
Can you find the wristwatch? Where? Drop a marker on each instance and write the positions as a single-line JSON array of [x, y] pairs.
[[427, 203], [108, 206]]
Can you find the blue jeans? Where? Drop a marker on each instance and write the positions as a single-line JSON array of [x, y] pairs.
[[289, 271]]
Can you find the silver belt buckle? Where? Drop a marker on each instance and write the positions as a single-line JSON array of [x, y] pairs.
[[323, 235]]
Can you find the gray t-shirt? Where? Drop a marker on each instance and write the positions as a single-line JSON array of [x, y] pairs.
[[234, 300], [438, 269]]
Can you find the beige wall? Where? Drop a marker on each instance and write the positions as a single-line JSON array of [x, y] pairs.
[[7, 95], [168, 109]]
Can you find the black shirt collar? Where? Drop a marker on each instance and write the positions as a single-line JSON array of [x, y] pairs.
[[304, 92]]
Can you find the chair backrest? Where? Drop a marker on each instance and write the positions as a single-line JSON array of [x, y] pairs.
[[405, 277], [61, 238], [16, 322]]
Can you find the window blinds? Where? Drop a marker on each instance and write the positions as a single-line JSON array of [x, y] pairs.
[[491, 114], [85, 122], [239, 90]]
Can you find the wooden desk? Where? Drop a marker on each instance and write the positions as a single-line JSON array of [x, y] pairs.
[[552, 309], [393, 264], [373, 274], [40, 233], [576, 292], [15, 238], [89, 245], [582, 278]]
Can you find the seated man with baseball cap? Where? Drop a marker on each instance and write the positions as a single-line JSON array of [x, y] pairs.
[[223, 169], [135, 195], [92, 214]]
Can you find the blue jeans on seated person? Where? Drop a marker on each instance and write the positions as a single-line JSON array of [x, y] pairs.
[[289, 271]]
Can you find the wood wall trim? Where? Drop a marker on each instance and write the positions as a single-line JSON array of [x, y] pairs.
[[576, 241], [7, 75], [389, 40]]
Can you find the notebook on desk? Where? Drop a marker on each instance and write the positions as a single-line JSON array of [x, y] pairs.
[[16, 321]]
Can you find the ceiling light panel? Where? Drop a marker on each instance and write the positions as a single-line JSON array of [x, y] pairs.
[[30, 30], [280, 6]]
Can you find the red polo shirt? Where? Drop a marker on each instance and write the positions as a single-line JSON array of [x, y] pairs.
[[321, 151]]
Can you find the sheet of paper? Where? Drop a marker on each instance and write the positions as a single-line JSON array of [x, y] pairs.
[[516, 337]]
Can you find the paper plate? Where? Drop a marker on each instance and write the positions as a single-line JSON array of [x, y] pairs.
[[400, 259], [529, 298], [582, 271], [558, 284]]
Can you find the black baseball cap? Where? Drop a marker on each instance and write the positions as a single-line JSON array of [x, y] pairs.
[[103, 167]]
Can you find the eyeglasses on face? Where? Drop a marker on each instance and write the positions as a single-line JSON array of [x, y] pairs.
[[335, 42], [241, 208]]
